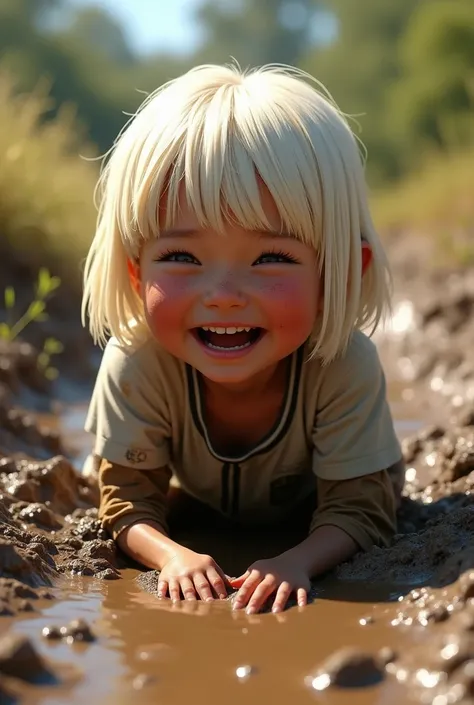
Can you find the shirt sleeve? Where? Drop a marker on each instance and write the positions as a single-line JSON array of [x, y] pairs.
[[353, 432], [129, 496], [364, 507], [128, 413]]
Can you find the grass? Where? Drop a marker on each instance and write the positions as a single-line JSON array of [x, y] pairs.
[[47, 216], [437, 201]]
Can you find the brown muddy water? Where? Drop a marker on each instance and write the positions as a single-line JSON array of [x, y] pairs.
[[383, 631]]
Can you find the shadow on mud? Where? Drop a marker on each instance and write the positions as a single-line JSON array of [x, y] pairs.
[[435, 544]]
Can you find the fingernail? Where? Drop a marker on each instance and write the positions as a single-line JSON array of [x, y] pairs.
[[251, 610], [209, 599], [275, 610]]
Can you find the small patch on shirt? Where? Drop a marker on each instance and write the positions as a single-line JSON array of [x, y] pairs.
[[125, 388], [285, 490], [136, 456]]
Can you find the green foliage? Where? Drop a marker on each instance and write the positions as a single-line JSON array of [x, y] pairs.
[[437, 201], [46, 188], [403, 68], [46, 285], [433, 101], [359, 67]]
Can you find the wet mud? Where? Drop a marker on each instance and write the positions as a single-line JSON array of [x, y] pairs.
[[432, 351], [78, 622]]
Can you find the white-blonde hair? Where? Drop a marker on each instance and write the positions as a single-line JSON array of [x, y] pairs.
[[216, 129]]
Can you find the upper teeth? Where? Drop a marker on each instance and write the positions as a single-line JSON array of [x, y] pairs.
[[230, 330]]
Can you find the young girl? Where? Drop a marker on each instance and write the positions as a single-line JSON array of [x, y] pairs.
[[234, 264]]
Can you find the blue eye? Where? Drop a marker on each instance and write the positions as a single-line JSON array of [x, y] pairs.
[[179, 256], [276, 258]]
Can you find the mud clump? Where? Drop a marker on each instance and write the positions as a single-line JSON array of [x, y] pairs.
[[49, 525], [435, 539], [20, 377], [77, 630], [19, 659], [348, 668], [434, 352]]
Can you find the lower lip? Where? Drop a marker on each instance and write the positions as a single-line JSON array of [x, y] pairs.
[[227, 354]]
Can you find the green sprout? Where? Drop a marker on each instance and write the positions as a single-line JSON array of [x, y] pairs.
[[36, 312]]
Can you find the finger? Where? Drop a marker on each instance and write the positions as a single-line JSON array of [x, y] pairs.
[[174, 590], [262, 592], [283, 593], [187, 588], [238, 582], [202, 586], [162, 588], [217, 582], [301, 597], [247, 589]]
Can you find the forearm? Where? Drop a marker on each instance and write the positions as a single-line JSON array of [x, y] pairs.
[[129, 497], [147, 543], [322, 550]]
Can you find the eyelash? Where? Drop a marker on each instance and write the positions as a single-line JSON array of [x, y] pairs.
[[279, 253], [166, 256]]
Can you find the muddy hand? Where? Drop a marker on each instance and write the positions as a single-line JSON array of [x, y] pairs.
[[191, 575], [279, 576]]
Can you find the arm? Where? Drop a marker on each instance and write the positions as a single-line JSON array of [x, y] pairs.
[[351, 514], [133, 507], [133, 510]]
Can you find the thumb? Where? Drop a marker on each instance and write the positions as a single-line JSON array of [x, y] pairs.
[[238, 582]]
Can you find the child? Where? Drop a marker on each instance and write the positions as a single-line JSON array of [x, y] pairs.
[[234, 264]]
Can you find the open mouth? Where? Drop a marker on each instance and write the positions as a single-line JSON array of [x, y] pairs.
[[229, 338]]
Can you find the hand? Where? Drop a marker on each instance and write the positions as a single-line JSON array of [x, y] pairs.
[[282, 575], [189, 573]]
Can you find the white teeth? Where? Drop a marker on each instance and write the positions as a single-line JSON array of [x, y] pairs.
[[234, 347], [229, 331]]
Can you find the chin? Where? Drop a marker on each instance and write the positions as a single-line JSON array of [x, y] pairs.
[[227, 377]]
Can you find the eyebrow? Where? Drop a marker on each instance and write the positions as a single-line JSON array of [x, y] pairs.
[[190, 232]]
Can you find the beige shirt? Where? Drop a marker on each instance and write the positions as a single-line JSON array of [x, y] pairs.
[[334, 426]]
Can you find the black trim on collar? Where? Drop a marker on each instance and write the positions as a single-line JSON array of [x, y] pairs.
[[276, 433]]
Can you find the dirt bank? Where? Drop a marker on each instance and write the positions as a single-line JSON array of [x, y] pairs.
[[433, 350]]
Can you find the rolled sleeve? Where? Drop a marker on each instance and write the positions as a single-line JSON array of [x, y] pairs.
[[129, 496], [364, 507]]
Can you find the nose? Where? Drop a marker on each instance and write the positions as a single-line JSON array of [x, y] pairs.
[[224, 292]]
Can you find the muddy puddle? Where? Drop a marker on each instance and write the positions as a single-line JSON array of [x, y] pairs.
[[390, 627]]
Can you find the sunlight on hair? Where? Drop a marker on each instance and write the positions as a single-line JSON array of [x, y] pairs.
[[217, 130]]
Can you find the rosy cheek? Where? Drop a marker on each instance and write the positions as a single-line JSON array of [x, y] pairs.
[[165, 304], [292, 302]]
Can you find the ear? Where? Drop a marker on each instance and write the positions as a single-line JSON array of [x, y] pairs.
[[367, 256], [134, 274]]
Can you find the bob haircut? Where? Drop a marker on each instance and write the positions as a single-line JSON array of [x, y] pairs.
[[217, 130]]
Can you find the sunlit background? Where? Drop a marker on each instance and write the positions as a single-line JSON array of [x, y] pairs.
[[71, 71]]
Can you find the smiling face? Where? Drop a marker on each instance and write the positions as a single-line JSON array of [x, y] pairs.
[[232, 304]]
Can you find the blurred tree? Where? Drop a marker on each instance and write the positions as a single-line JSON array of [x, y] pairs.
[[87, 62], [94, 27], [258, 32], [359, 67], [433, 101]]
